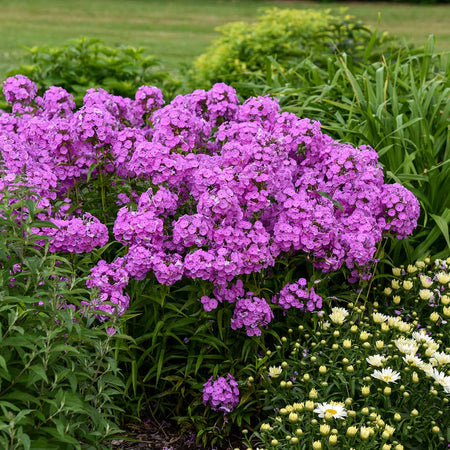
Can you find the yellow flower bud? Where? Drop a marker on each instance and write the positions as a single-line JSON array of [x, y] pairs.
[[325, 429], [309, 405], [407, 285], [435, 429], [397, 417], [365, 391], [365, 411], [364, 336], [306, 377], [293, 417], [415, 377], [332, 439], [445, 300], [274, 442], [379, 345], [317, 445], [446, 311], [399, 447], [322, 369], [386, 447], [354, 329], [350, 369], [387, 291], [396, 271], [298, 431], [434, 316], [351, 431], [313, 394], [364, 432], [414, 413], [387, 390], [347, 343], [294, 440], [385, 435]]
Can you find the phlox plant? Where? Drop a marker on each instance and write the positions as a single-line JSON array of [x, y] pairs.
[[374, 376], [205, 194]]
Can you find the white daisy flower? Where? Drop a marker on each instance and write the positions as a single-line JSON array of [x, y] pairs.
[[422, 336], [338, 315], [404, 327], [440, 359], [379, 318], [387, 375], [392, 321], [407, 346], [274, 372], [336, 410], [413, 360], [376, 360], [441, 378], [427, 368]]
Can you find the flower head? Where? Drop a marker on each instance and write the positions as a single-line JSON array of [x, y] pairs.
[[387, 375], [336, 410]]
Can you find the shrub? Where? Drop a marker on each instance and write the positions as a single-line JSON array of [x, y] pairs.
[[87, 63], [58, 376], [289, 36]]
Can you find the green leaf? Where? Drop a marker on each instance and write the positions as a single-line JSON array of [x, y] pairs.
[[442, 222]]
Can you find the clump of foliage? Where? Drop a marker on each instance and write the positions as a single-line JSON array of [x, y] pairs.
[[87, 63], [289, 36], [367, 375], [59, 380]]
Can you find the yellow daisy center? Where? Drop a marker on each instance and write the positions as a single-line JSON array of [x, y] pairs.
[[331, 411], [387, 378]]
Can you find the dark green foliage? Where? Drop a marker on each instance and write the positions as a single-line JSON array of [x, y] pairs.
[[88, 63], [59, 379]]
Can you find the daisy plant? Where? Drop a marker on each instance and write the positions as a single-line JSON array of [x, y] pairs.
[[374, 376]]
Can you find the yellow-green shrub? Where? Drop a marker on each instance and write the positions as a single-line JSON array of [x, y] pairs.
[[289, 36]]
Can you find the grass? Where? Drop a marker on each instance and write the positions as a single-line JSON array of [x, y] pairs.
[[177, 30]]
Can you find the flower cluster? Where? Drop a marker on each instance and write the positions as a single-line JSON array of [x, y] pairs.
[[222, 394], [77, 235], [294, 295], [223, 189]]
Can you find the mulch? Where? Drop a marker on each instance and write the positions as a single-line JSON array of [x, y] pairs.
[[162, 436]]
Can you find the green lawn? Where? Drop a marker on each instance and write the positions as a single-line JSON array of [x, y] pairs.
[[178, 30]]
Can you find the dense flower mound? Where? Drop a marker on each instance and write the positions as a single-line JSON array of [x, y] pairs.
[[225, 188]]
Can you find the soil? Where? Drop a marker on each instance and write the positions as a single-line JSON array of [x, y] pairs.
[[162, 436]]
